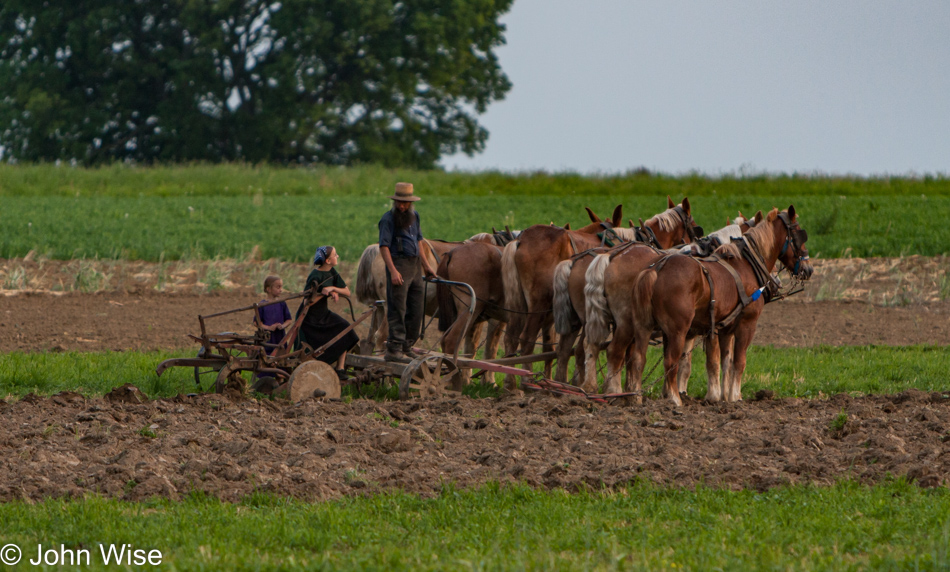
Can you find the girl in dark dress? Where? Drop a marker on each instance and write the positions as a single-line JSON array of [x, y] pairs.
[[321, 325]]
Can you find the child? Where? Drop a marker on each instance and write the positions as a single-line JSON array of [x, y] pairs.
[[321, 325], [276, 317]]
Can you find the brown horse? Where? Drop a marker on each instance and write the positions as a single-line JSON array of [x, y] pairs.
[[528, 271], [671, 227], [479, 266], [609, 283], [371, 281], [722, 296]]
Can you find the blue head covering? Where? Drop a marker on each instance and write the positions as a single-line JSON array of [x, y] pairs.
[[321, 255]]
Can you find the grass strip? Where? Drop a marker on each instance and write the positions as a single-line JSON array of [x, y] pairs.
[[788, 372], [290, 227], [39, 180], [891, 526]]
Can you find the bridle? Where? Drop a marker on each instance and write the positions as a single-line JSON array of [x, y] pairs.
[[795, 237], [693, 230]]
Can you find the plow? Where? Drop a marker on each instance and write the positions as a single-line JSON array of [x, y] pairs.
[[294, 371]]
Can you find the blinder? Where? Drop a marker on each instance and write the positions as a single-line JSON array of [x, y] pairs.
[[796, 236]]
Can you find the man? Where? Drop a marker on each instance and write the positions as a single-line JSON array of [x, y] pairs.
[[399, 236]]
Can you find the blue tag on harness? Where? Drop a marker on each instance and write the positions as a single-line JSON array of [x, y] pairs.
[[757, 294]]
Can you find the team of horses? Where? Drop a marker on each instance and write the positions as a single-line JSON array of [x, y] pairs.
[[609, 287]]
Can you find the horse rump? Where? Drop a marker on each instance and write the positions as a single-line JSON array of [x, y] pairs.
[[448, 312]]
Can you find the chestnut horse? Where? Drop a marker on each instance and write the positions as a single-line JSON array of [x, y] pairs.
[[671, 227], [528, 271], [371, 281], [722, 296], [478, 265], [609, 284]]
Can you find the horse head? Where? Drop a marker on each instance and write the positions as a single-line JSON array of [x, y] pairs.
[[793, 254], [675, 226], [598, 224]]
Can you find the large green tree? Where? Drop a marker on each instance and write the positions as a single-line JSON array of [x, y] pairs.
[[330, 81]]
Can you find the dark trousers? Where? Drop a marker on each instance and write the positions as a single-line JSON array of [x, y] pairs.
[[404, 304]]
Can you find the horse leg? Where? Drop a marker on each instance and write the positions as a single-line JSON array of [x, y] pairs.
[[377, 327], [636, 360], [713, 356], [474, 338], [549, 343], [744, 334], [673, 345], [565, 347], [616, 357], [493, 338], [686, 366], [727, 344], [588, 375], [513, 333], [471, 346], [579, 362]]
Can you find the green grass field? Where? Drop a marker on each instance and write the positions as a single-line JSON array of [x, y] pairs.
[[892, 526], [205, 212], [789, 372]]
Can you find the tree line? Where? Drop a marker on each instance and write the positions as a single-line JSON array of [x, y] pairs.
[[399, 83]]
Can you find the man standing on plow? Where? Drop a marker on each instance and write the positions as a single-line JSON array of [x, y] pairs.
[[399, 236]]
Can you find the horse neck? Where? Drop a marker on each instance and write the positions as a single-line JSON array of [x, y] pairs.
[[592, 228], [777, 236], [665, 238]]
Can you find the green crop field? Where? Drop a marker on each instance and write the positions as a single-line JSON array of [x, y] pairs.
[[789, 372], [893, 526], [204, 212]]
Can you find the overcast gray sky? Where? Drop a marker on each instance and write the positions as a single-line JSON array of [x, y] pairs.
[[859, 87]]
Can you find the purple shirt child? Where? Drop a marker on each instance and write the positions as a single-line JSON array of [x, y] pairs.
[[274, 314]]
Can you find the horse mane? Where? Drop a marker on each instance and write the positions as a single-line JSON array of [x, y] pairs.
[[627, 234], [667, 220], [481, 237], [761, 234], [727, 234]]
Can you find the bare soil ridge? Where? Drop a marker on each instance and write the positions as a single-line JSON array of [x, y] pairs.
[[69, 445]]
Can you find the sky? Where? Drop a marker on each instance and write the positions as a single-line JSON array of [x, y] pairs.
[[722, 87]]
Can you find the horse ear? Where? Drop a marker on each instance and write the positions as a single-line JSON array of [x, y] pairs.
[[567, 226], [728, 222], [493, 231], [593, 217], [617, 218], [791, 212], [758, 217], [740, 214], [670, 202], [686, 205], [630, 222], [773, 214]]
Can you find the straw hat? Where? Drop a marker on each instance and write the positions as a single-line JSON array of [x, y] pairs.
[[404, 193]]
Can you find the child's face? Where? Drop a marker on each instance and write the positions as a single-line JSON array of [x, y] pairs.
[[333, 259], [276, 289]]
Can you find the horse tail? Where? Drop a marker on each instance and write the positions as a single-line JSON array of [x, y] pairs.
[[643, 288], [597, 326], [565, 319], [448, 313], [514, 295], [365, 285]]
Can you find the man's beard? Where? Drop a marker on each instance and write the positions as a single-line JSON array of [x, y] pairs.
[[404, 220]]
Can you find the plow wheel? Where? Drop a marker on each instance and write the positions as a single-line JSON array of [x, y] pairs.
[[227, 375], [313, 378], [431, 376]]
